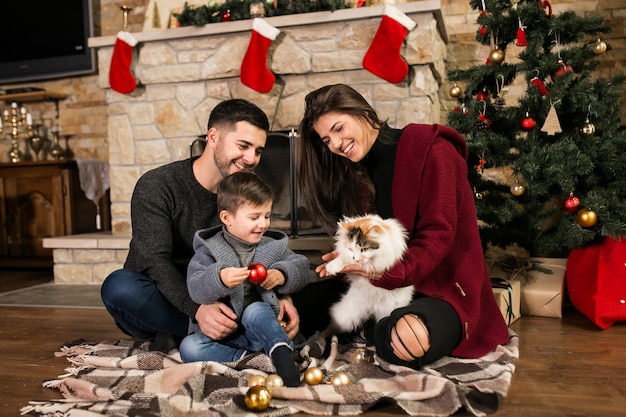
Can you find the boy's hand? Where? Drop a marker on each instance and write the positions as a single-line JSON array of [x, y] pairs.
[[231, 277], [274, 279]]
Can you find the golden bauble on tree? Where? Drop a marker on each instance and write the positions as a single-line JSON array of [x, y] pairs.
[[258, 398], [517, 189], [313, 375], [496, 56], [588, 128], [455, 91], [599, 47], [586, 217]]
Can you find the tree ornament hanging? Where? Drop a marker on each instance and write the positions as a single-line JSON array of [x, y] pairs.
[[455, 91], [483, 95], [483, 122], [586, 217], [588, 128], [540, 85], [496, 56], [225, 16], [561, 69], [499, 102], [551, 126], [571, 203], [545, 4], [528, 123], [599, 47], [521, 34], [517, 189]]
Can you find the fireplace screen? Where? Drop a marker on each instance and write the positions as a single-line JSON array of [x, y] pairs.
[[278, 168]]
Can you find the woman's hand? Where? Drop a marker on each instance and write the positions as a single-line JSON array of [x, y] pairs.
[[216, 320], [356, 269], [321, 269], [289, 315]]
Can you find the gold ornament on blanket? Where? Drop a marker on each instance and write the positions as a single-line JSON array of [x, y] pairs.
[[340, 378], [274, 381], [313, 376], [255, 380], [258, 398]]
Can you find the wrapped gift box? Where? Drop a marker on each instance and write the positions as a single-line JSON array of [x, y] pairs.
[[541, 292], [507, 294]]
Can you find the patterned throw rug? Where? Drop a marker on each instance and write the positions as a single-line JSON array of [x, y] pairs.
[[123, 378]]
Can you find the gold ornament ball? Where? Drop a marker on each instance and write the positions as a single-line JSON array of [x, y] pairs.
[[588, 128], [258, 398], [274, 381], [255, 380], [455, 91], [496, 56], [586, 217], [361, 355], [340, 378], [313, 375], [517, 189], [599, 47]]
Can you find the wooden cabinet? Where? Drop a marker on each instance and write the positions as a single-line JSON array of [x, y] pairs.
[[40, 200]]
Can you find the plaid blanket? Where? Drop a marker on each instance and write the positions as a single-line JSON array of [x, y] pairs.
[[124, 378]]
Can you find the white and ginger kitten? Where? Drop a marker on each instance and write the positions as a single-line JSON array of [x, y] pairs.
[[377, 245]]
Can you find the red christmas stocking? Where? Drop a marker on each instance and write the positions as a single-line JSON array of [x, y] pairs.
[[121, 78], [254, 72], [383, 56]]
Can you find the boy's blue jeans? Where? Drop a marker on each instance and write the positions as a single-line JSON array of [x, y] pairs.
[[259, 331]]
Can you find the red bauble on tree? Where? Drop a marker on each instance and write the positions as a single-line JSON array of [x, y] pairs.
[[528, 123], [571, 204]]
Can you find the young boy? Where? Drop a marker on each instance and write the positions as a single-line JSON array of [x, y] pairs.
[[219, 270]]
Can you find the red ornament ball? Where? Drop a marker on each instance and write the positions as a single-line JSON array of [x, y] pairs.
[[528, 123], [483, 95], [483, 30], [257, 273], [571, 204]]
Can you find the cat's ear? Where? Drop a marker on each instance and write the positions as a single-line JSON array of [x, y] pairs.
[[375, 230]]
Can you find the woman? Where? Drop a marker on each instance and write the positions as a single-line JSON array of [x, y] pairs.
[[352, 163]]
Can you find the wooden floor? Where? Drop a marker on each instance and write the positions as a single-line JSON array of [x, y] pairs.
[[567, 366]]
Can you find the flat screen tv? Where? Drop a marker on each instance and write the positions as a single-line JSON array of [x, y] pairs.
[[43, 39]]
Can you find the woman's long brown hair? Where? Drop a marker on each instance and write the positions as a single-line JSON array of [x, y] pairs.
[[332, 186]]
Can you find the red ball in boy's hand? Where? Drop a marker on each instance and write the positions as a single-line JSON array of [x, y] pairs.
[[257, 274]]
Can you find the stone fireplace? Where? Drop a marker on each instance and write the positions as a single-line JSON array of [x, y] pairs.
[[183, 73]]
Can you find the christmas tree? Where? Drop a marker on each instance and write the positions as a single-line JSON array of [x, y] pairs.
[[548, 168]]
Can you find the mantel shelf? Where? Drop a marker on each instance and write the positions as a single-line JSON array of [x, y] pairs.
[[31, 96]]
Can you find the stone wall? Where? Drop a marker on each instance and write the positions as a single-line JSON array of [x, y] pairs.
[[185, 72]]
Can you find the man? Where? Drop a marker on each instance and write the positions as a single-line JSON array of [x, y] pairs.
[[148, 298]]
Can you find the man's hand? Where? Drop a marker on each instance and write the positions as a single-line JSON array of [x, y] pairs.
[[216, 320], [289, 315]]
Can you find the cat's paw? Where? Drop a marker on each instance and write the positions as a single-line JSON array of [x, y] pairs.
[[334, 267]]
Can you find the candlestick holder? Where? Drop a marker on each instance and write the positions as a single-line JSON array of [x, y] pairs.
[[18, 123]]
